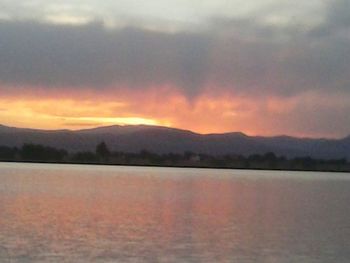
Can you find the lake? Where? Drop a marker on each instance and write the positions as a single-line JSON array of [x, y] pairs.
[[77, 213]]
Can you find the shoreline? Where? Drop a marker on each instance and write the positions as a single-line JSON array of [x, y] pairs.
[[175, 166]]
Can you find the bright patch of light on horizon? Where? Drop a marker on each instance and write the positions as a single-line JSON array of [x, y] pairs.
[[116, 120]]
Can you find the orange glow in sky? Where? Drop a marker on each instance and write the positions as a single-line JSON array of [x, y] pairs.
[[206, 113], [205, 66]]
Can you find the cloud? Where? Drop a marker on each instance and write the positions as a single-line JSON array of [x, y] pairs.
[[336, 21], [339, 14], [308, 114], [264, 68], [238, 56], [91, 56], [167, 11]]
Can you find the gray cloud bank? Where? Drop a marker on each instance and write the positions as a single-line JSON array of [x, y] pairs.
[[242, 56]]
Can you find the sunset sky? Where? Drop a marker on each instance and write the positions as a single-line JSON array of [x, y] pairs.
[[265, 67]]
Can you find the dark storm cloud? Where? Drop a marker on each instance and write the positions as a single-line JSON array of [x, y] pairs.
[[89, 55], [339, 13], [337, 20], [238, 55]]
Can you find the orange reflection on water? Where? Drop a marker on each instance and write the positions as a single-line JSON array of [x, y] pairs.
[[101, 214]]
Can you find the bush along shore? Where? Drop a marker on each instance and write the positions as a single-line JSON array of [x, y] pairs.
[[103, 155]]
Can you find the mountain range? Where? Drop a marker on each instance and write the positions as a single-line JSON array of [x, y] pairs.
[[134, 138]]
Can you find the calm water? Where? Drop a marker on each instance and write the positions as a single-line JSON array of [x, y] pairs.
[[71, 213]]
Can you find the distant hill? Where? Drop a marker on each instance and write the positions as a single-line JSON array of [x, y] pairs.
[[134, 138]]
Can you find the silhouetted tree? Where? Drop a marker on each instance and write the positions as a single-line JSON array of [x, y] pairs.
[[188, 154], [255, 158], [102, 151], [84, 157], [172, 157], [8, 153], [305, 162], [271, 159], [37, 152]]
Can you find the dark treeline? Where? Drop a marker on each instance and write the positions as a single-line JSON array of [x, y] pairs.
[[102, 155]]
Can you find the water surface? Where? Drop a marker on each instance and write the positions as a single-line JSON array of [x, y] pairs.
[[74, 213]]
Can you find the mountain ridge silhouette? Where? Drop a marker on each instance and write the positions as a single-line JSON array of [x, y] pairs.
[[160, 139]]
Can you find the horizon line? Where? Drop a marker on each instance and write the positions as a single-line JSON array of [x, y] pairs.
[[175, 128]]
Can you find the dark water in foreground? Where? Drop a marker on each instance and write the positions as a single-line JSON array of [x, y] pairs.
[[67, 213]]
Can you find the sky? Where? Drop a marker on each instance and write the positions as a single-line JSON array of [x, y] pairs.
[[267, 67]]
